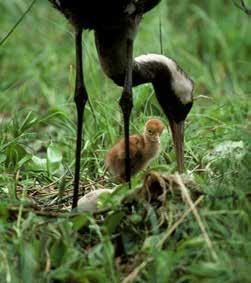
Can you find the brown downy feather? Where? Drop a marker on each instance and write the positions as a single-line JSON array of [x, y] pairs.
[[143, 148]]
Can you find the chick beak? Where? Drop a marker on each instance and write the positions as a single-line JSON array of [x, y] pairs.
[[178, 140]]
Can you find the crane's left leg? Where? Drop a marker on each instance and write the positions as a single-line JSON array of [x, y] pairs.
[[126, 104], [80, 98]]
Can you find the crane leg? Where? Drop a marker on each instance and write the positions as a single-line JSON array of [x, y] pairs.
[[80, 99], [126, 104]]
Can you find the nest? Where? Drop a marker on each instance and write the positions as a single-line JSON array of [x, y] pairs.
[[157, 190]]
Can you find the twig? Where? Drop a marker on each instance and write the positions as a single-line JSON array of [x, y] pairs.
[[18, 22], [39, 212], [185, 192], [5, 262], [93, 112], [160, 35], [242, 6], [129, 278], [48, 261], [203, 97], [177, 223]]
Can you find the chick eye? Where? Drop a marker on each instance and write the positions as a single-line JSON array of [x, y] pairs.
[[150, 131]]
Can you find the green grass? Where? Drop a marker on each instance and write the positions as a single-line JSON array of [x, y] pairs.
[[211, 41]]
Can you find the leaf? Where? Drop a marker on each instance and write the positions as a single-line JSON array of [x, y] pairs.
[[196, 242], [28, 261], [151, 242], [2, 157], [79, 221], [38, 164], [54, 155], [207, 269], [135, 218], [57, 252], [227, 149], [141, 97], [164, 263], [165, 138], [112, 221], [54, 159], [4, 212], [129, 242], [94, 275], [28, 122], [102, 254], [14, 153], [24, 160]]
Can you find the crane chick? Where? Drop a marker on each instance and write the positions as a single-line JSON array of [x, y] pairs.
[[143, 148]]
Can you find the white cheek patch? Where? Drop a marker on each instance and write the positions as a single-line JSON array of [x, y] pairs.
[[183, 90], [181, 84]]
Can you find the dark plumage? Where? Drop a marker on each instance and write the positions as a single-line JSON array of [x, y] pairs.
[[102, 13], [115, 23]]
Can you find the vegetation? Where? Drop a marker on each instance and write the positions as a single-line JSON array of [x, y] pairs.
[[40, 241]]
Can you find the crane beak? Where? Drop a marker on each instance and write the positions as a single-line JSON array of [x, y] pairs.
[[178, 140]]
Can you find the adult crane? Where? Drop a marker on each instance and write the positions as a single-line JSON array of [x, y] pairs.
[[115, 23]]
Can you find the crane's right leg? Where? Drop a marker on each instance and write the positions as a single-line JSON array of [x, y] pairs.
[[80, 98], [115, 50], [126, 104]]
